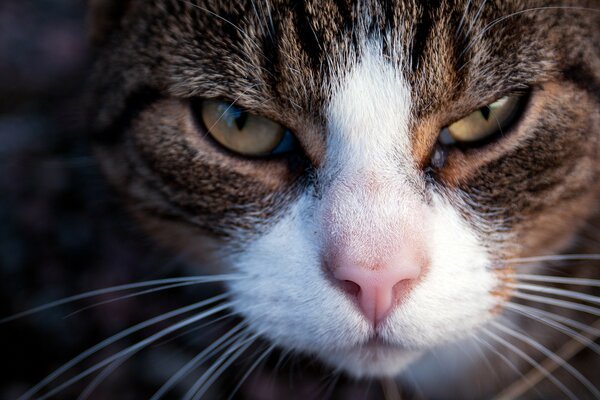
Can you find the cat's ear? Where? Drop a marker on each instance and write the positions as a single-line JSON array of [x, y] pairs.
[[104, 16]]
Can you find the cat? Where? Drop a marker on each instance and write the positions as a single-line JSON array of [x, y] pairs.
[[383, 186]]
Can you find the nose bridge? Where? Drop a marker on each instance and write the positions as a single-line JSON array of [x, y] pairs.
[[370, 214], [374, 249], [372, 245]]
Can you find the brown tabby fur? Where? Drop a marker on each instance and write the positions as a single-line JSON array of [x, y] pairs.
[[539, 182]]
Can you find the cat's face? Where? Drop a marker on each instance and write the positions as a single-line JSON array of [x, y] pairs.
[[370, 237]]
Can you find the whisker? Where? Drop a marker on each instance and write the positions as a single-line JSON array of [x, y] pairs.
[[511, 365], [119, 288], [187, 332], [555, 257], [117, 363], [531, 362], [254, 365], [463, 18], [107, 342], [551, 355], [559, 318], [129, 296], [477, 15], [101, 377], [559, 303], [207, 379], [390, 389], [505, 17], [500, 355], [559, 292], [285, 353], [586, 341], [231, 336], [237, 28], [484, 356], [567, 351], [229, 107], [135, 348], [330, 389], [261, 26], [557, 279]]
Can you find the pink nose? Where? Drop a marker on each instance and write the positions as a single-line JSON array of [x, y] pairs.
[[378, 287]]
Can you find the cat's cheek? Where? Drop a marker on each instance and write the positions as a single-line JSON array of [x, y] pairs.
[[457, 295], [286, 295]]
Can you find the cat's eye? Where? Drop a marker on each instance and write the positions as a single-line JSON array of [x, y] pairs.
[[484, 123], [242, 132]]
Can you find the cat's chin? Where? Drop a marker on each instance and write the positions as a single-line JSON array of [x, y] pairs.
[[372, 360]]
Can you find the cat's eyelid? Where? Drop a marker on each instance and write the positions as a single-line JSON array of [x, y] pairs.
[[486, 124]]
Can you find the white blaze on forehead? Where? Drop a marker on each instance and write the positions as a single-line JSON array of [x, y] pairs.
[[368, 114], [367, 208]]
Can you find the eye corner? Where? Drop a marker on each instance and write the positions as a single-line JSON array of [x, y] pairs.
[[450, 149]]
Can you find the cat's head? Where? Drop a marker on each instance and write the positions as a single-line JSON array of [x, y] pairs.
[[370, 168]]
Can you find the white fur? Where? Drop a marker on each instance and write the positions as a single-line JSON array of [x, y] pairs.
[[368, 116], [370, 200]]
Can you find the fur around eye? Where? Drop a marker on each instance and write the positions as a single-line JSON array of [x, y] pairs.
[[242, 132], [483, 124]]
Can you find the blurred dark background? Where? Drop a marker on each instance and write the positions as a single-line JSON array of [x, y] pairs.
[[62, 232]]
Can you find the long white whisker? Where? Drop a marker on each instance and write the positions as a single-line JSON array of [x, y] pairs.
[[555, 257], [557, 279], [524, 381], [196, 328], [117, 363], [229, 107], [559, 292], [237, 28], [136, 348], [500, 355], [129, 296], [587, 342], [462, 19], [262, 22], [231, 336], [107, 342], [105, 373], [531, 362], [212, 373], [505, 17], [559, 303], [551, 355], [567, 351], [332, 385], [484, 356], [119, 288], [477, 15], [559, 318], [254, 365]]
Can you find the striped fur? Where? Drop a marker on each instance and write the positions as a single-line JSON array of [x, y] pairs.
[[366, 87]]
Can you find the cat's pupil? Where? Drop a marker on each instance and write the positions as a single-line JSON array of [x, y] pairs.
[[486, 112], [234, 116]]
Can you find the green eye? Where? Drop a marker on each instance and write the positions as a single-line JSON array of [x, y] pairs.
[[483, 123], [242, 132]]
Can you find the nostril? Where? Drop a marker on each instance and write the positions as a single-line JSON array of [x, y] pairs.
[[402, 287], [377, 291], [352, 288]]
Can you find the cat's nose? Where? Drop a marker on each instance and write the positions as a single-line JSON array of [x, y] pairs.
[[379, 286]]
